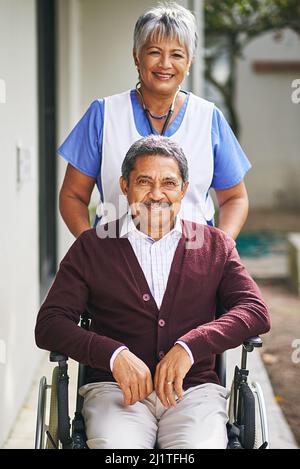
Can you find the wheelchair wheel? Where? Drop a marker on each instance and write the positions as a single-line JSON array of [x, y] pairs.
[[246, 416], [52, 432], [41, 411], [231, 405], [261, 422]]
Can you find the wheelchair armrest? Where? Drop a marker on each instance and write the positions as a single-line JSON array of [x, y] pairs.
[[252, 342], [57, 357]]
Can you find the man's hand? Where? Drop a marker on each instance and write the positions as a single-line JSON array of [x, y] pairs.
[[169, 375], [133, 377]]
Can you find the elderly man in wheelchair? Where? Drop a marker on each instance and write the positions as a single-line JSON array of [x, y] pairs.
[[150, 282]]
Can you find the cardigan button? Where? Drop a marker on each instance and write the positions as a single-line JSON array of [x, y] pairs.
[[146, 297], [162, 322]]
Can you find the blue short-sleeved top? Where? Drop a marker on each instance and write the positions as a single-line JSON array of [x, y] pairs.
[[83, 147]]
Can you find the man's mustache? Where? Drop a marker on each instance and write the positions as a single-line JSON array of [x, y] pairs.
[[151, 204]]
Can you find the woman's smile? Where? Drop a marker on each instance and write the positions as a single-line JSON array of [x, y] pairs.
[[163, 76]]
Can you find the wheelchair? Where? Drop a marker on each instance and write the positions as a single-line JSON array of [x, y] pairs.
[[247, 427]]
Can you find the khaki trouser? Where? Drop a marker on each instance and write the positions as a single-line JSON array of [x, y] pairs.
[[198, 421]]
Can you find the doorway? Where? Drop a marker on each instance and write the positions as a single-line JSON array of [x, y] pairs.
[[47, 141]]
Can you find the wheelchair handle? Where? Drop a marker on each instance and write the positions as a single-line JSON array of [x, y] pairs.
[[252, 342], [248, 346], [57, 357]]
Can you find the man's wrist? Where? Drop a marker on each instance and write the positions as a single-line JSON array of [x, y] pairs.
[[186, 348], [115, 354]]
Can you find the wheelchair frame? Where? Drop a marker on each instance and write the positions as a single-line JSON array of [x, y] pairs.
[[247, 427]]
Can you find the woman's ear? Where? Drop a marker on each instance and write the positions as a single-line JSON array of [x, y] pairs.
[[191, 62], [135, 58]]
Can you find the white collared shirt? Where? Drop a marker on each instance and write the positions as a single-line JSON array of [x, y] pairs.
[[155, 259]]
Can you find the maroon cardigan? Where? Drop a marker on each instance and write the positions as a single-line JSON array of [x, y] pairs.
[[104, 277]]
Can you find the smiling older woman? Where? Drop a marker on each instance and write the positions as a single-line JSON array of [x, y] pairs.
[[165, 40]]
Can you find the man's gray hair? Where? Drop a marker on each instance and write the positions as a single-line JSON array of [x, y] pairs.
[[155, 145], [167, 20]]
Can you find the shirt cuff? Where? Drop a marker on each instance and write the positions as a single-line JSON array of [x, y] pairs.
[[186, 348], [114, 355]]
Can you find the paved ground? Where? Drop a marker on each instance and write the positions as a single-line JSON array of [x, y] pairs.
[[279, 353]]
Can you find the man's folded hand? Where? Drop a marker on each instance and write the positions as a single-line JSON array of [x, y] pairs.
[[133, 377]]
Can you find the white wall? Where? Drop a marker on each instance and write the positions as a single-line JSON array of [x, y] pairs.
[[19, 278], [270, 123]]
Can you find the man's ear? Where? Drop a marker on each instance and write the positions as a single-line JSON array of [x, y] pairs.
[[185, 188], [123, 185]]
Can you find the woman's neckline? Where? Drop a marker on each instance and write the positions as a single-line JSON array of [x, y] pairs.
[[138, 108]]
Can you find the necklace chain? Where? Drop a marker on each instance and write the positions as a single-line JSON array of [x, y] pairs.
[[147, 112], [158, 117], [171, 108]]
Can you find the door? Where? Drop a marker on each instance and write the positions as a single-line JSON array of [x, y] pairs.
[[47, 141]]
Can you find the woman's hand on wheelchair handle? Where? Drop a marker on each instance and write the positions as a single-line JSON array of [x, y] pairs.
[[133, 377]]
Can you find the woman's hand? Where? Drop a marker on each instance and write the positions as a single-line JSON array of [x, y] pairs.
[[74, 199]]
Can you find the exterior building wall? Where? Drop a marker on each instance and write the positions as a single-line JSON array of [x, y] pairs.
[[19, 275], [270, 122]]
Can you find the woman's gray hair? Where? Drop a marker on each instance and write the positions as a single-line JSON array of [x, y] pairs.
[[155, 145], [167, 20]]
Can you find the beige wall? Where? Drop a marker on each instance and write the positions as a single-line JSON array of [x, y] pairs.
[[19, 282], [271, 123]]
